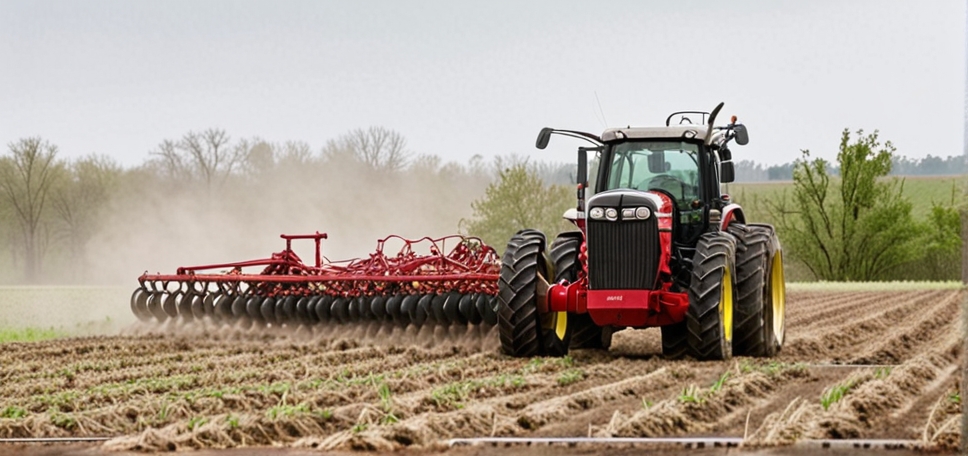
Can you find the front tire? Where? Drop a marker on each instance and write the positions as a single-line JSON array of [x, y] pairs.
[[709, 319], [523, 281]]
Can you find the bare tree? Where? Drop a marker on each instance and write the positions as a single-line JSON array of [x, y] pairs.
[[80, 200], [27, 176], [269, 160], [378, 148], [295, 154], [205, 157], [260, 156]]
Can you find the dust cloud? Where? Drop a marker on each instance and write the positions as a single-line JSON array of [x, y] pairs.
[[470, 338], [158, 225]]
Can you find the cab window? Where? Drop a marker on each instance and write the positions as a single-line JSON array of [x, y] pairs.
[[672, 166]]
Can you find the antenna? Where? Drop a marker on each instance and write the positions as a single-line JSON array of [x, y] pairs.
[[604, 120]]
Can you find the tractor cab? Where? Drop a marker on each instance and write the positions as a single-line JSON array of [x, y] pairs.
[[685, 161]]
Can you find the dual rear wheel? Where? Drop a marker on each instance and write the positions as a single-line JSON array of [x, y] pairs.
[[737, 297], [760, 291]]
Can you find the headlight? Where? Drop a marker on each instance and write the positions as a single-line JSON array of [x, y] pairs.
[[628, 213], [611, 214], [643, 213], [597, 213]]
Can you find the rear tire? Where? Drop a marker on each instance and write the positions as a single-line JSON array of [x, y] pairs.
[[749, 313], [710, 314], [774, 308], [523, 331], [584, 332]]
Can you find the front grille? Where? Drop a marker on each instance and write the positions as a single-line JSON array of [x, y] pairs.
[[623, 255]]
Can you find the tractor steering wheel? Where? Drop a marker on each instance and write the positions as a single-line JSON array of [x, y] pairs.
[[669, 183]]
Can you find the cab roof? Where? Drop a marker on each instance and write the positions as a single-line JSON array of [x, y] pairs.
[[689, 132]]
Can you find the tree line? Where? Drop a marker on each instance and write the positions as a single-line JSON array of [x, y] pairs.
[[208, 197], [750, 171]]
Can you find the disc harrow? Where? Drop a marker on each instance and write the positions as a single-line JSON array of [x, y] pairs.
[[451, 280]]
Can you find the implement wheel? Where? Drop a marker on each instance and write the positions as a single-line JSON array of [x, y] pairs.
[[139, 304], [709, 319], [524, 272], [584, 332], [155, 304]]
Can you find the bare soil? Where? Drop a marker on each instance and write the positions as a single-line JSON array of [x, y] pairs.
[[894, 356]]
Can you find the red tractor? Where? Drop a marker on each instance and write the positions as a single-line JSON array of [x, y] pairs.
[[658, 244]]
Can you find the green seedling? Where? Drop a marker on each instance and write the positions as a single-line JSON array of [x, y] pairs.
[[286, 410], [719, 383], [882, 372], [196, 422], [13, 412], [691, 394], [570, 376], [387, 400], [834, 394]]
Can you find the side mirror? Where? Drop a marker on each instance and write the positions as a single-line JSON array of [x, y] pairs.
[[543, 137], [726, 172], [582, 176], [742, 136]]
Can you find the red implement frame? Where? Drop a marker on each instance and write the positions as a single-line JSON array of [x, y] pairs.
[[470, 266]]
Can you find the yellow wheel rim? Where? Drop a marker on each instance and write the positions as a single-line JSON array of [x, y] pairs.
[[726, 304], [778, 298], [560, 324], [556, 321]]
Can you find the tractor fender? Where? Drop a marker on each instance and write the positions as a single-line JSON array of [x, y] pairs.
[[576, 217], [731, 213]]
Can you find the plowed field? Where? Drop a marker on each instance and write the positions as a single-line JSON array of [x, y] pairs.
[[855, 365]]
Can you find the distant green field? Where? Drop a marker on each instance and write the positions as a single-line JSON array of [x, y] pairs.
[[30, 334], [35, 313], [921, 190]]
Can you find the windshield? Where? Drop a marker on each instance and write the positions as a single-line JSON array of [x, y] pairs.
[[672, 166]]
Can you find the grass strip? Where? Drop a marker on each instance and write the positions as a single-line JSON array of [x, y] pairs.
[[29, 334]]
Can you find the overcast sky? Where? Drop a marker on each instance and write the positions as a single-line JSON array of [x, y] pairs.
[[465, 78]]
